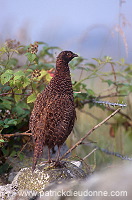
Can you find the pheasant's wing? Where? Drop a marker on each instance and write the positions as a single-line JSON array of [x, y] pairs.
[[60, 117]]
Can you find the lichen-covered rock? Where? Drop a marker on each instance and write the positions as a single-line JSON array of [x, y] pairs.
[[28, 182], [45, 174]]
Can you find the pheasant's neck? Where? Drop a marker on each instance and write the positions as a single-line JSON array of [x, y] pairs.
[[62, 79], [62, 65]]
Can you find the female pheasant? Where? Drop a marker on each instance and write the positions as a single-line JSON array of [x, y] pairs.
[[53, 115]]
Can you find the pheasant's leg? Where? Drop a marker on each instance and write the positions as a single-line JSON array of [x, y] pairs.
[[49, 158], [58, 154]]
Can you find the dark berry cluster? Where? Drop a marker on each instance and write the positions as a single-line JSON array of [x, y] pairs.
[[33, 48], [36, 73]]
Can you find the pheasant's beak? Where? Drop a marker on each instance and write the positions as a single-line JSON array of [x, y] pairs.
[[75, 55]]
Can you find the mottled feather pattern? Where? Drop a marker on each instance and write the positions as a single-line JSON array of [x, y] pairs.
[[53, 115]]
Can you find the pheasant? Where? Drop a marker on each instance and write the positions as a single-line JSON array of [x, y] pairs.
[[53, 116]]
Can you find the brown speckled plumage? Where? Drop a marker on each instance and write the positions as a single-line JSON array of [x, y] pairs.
[[53, 115]]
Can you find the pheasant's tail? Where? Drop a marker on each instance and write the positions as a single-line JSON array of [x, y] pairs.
[[38, 149]]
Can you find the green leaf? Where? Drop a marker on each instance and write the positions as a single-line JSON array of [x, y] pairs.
[[91, 65], [4, 168], [26, 81], [6, 104], [31, 98], [21, 156], [13, 153], [42, 43], [2, 50], [5, 151], [108, 59], [31, 57], [109, 82], [29, 70], [19, 84], [12, 62], [18, 97], [18, 76], [1, 140], [47, 66], [122, 61], [6, 76], [1, 123], [19, 73], [48, 78], [23, 105], [11, 122], [74, 63], [21, 109], [6, 126], [98, 60], [128, 69], [90, 92], [13, 50], [6, 88]]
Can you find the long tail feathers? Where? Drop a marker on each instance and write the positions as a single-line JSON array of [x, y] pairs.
[[38, 149]]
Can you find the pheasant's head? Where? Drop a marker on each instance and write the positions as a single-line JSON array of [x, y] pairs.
[[66, 56]]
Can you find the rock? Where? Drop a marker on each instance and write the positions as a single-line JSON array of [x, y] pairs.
[[45, 174], [32, 183]]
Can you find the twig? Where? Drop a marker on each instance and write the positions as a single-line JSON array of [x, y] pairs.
[[90, 153], [114, 73], [16, 134], [95, 127], [113, 70], [24, 146], [4, 94]]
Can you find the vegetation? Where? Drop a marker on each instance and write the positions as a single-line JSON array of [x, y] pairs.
[[25, 71]]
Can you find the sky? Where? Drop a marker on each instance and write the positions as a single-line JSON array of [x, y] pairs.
[[88, 27]]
